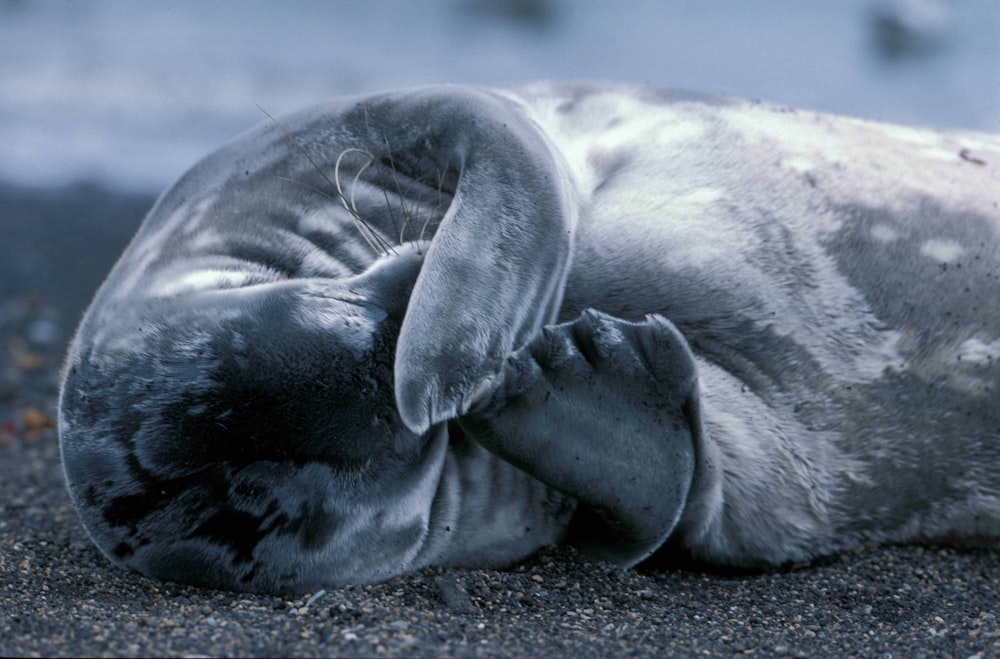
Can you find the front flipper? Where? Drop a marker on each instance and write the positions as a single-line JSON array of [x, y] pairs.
[[495, 270], [606, 411]]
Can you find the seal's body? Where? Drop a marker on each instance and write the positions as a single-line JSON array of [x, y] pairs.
[[450, 325]]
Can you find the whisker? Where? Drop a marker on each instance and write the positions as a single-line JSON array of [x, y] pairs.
[[351, 207], [440, 203], [377, 242], [392, 216], [399, 191], [323, 193]]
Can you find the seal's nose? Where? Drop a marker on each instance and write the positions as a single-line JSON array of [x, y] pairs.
[[389, 281]]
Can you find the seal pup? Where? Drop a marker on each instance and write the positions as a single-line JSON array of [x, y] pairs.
[[451, 325]]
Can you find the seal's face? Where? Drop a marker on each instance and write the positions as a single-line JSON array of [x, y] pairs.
[[339, 407]]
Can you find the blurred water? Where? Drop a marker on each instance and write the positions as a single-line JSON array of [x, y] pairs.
[[130, 93]]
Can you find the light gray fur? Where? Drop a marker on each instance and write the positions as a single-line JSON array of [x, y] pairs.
[[649, 323]]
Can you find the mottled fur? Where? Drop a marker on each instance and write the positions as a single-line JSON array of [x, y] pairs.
[[635, 320]]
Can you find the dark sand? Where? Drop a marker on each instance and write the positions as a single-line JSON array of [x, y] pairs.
[[59, 597]]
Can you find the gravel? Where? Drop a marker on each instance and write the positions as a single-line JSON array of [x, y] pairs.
[[60, 597]]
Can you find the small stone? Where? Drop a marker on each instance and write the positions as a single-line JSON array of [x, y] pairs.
[[453, 593]]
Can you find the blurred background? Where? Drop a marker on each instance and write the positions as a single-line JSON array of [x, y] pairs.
[[128, 94]]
